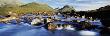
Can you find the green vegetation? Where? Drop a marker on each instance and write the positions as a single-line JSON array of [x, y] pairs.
[[27, 8]]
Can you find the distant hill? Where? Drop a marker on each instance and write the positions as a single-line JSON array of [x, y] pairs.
[[105, 8], [27, 8], [102, 13], [67, 8]]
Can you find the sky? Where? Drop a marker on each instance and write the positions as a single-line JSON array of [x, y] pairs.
[[79, 5]]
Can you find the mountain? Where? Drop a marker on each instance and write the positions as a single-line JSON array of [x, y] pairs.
[[27, 8], [105, 8], [67, 8]]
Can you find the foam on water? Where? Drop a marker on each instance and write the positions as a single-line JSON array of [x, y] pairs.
[[87, 33]]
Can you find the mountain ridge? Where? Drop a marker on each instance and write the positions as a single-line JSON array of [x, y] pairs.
[[27, 8]]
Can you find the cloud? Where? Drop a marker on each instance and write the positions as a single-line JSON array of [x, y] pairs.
[[89, 4]]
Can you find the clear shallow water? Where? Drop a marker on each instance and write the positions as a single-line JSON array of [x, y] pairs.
[[23, 30]]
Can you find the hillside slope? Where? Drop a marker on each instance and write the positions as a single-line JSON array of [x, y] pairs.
[[27, 8]]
